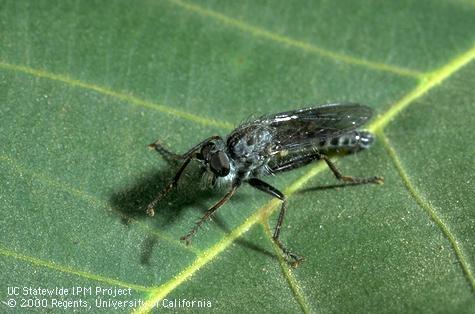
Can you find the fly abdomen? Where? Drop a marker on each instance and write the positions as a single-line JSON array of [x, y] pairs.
[[350, 142]]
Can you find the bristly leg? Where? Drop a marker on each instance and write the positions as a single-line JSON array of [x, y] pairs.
[[210, 212], [170, 156], [292, 258], [298, 161], [356, 180], [173, 183]]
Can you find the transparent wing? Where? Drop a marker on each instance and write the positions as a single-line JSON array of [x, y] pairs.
[[296, 130], [300, 129]]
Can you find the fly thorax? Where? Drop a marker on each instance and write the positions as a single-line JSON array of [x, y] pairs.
[[247, 147]]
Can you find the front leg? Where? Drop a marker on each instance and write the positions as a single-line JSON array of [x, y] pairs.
[[173, 183], [186, 158], [210, 212], [169, 156]]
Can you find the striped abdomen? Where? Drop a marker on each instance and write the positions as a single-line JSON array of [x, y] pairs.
[[350, 142]]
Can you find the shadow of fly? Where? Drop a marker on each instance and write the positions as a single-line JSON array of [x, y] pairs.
[[270, 145]]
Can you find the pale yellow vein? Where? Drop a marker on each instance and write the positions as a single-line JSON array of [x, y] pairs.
[[428, 82], [206, 256], [263, 213], [287, 272], [15, 166], [287, 41], [39, 262], [128, 98], [432, 212]]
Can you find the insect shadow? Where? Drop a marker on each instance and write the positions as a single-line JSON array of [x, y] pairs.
[[147, 248], [326, 187], [132, 201]]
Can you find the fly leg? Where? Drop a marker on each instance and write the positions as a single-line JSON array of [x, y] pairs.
[[299, 161], [186, 158], [267, 188], [209, 213], [356, 180], [173, 183], [295, 162], [169, 156]]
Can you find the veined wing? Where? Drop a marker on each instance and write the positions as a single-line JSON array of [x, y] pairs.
[[303, 128], [294, 130]]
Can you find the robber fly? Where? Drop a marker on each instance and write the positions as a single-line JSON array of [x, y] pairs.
[[270, 145]]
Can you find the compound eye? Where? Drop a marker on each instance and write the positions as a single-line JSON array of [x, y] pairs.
[[219, 164], [206, 150]]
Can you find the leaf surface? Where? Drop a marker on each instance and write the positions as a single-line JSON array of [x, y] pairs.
[[85, 86]]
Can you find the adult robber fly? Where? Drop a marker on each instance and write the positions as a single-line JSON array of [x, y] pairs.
[[270, 145]]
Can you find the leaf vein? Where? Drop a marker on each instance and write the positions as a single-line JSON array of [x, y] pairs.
[[262, 213], [287, 41], [15, 166], [425, 84], [64, 269], [430, 211], [289, 277], [126, 97]]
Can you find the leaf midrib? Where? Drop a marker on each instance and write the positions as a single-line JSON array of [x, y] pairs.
[[288, 41], [426, 82], [206, 121]]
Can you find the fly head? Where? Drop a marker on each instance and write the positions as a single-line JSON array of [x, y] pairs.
[[214, 156]]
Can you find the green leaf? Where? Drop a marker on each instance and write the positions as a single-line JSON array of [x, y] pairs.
[[85, 86]]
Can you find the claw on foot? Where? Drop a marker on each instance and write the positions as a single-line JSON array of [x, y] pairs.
[[150, 211], [186, 239], [296, 262]]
